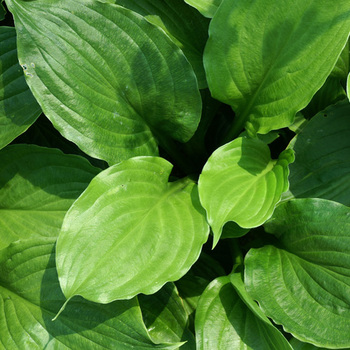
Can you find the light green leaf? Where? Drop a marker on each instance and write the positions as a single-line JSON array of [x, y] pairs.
[[18, 108], [268, 58], [322, 159], [223, 321], [109, 81], [206, 7], [342, 67], [37, 187], [303, 282], [241, 183], [130, 216], [165, 317], [178, 20], [30, 296]]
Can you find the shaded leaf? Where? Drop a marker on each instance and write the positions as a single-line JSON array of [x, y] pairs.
[[322, 159], [303, 282], [37, 187], [223, 321], [178, 20], [129, 216], [30, 296], [241, 183], [18, 108], [342, 67], [109, 81], [268, 72], [298, 345]]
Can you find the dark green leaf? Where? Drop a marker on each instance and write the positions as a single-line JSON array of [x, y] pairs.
[[303, 282]]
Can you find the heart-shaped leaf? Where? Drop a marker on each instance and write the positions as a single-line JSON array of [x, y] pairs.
[[178, 20], [223, 321], [268, 58], [109, 81], [142, 230], [322, 159], [241, 183], [30, 296], [37, 187], [206, 7], [303, 282], [18, 108]]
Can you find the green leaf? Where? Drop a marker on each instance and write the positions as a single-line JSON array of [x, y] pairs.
[[30, 296], [241, 183], [298, 345], [348, 87], [178, 20], [303, 282], [206, 7], [18, 108], [342, 67], [131, 213], [322, 160], [268, 58], [165, 317], [37, 187], [223, 321], [109, 81], [2, 11]]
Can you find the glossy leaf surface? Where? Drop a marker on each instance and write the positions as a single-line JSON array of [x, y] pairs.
[[18, 108], [143, 231], [37, 187], [109, 81], [303, 282], [223, 321], [268, 72], [206, 7], [241, 183], [30, 296], [184, 25], [322, 159]]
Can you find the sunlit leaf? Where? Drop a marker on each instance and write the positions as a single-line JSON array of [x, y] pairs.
[[37, 187], [241, 183], [30, 296], [224, 321], [143, 231], [268, 58], [109, 81], [303, 282], [18, 108], [206, 7]]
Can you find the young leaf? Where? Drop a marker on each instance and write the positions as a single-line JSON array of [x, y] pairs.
[[206, 7], [178, 20], [165, 317], [223, 321], [18, 108], [142, 230], [109, 81], [30, 296], [268, 58], [37, 187], [303, 282], [322, 160], [241, 183]]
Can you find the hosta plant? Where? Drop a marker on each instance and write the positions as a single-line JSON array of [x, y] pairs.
[[174, 174]]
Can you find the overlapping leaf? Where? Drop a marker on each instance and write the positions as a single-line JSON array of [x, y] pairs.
[[224, 321], [241, 183], [142, 230], [37, 187], [303, 282], [18, 108], [30, 296], [206, 7], [322, 159], [165, 317], [109, 81], [268, 58], [185, 26]]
